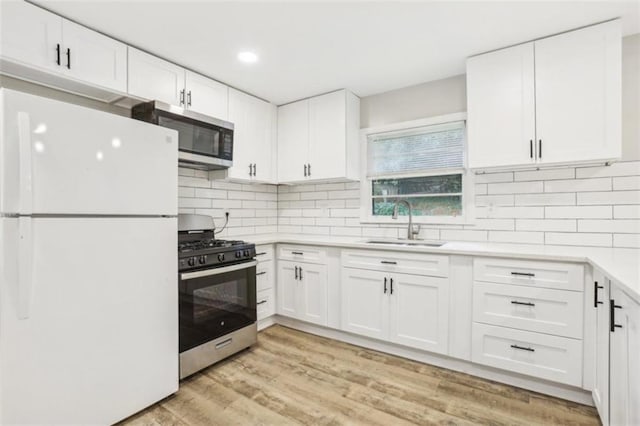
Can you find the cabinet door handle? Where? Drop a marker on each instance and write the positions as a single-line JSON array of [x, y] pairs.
[[262, 253], [68, 58], [305, 170], [515, 302], [58, 53], [300, 273], [189, 98], [524, 274], [296, 272], [595, 294], [254, 169], [261, 273], [309, 169], [261, 302], [250, 170], [182, 97], [522, 348], [539, 148], [391, 285], [612, 315], [385, 286], [298, 253], [530, 148], [389, 262]]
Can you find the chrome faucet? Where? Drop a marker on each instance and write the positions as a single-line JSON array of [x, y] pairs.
[[412, 231]]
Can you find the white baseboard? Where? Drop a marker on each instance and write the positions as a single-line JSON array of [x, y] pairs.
[[514, 379], [266, 322]]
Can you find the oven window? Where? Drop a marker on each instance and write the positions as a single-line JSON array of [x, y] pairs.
[[196, 139], [213, 306]]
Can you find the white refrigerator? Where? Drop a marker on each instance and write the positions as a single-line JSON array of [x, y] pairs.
[[88, 246]]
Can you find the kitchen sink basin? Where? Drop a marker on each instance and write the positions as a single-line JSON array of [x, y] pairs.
[[406, 243]]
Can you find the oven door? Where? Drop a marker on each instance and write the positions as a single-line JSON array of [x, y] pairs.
[[215, 302]]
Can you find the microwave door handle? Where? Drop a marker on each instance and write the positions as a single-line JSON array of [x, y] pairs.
[[218, 271]]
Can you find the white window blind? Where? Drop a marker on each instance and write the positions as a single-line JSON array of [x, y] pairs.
[[414, 150]]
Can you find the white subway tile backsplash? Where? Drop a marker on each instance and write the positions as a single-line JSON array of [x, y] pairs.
[[463, 235], [494, 200], [626, 183], [516, 237], [544, 174], [559, 199], [514, 188], [493, 224], [505, 212], [609, 198], [557, 225], [629, 168], [481, 189], [494, 177], [578, 239], [317, 195], [626, 240], [578, 212], [578, 185], [626, 212], [622, 226], [194, 202]]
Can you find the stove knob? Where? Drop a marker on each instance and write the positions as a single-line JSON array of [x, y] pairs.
[[221, 257], [238, 254], [203, 260], [246, 253], [192, 261]]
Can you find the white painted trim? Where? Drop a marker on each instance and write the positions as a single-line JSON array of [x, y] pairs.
[[266, 322], [542, 386]]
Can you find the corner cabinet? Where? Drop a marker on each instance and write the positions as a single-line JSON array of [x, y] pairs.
[[40, 46], [318, 139], [600, 392], [552, 101]]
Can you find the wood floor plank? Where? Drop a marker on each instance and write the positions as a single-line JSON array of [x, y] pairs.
[[291, 377]]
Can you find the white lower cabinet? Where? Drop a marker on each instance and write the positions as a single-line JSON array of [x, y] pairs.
[[601, 371], [302, 291], [410, 310], [624, 379]]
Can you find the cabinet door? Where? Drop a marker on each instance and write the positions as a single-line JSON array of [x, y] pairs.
[[501, 108], [601, 382], [252, 137], [365, 302], [288, 284], [92, 57], [624, 406], [578, 94], [152, 78], [207, 96], [293, 141], [327, 136], [419, 312], [313, 293], [30, 35]]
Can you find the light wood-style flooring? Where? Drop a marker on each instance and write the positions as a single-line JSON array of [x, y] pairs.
[[291, 377]]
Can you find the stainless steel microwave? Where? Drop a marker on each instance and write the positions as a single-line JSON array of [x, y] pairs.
[[205, 143]]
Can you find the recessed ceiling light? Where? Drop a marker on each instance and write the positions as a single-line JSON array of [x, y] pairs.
[[247, 57]]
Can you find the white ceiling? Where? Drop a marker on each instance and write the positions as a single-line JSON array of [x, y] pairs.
[[308, 48]]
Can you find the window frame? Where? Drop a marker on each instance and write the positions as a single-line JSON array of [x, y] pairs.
[[366, 183]]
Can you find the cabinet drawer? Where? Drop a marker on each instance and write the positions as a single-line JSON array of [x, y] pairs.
[[542, 310], [408, 263], [303, 254], [265, 303], [548, 357], [264, 275], [566, 276], [264, 252]]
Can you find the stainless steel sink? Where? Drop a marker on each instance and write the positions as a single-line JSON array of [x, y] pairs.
[[406, 243]]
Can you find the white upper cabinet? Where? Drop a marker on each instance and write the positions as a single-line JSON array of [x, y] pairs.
[[501, 108], [552, 101], [153, 78], [253, 152], [41, 46], [92, 57], [31, 35], [578, 95], [206, 96], [318, 138]]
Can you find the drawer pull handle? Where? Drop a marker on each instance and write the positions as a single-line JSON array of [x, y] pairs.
[[261, 302], [262, 253], [389, 262], [298, 253], [612, 313], [515, 302], [522, 348], [261, 273], [596, 302], [524, 274], [224, 343]]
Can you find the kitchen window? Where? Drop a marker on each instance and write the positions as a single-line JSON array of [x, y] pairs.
[[422, 162]]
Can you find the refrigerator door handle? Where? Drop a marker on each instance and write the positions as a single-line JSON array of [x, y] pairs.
[[26, 177], [25, 266]]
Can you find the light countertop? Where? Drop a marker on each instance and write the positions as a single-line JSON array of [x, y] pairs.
[[619, 264]]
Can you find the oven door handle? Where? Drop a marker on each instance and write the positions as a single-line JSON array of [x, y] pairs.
[[217, 271]]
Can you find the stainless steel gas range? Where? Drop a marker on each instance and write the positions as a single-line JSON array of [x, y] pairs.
[[217, 294]]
